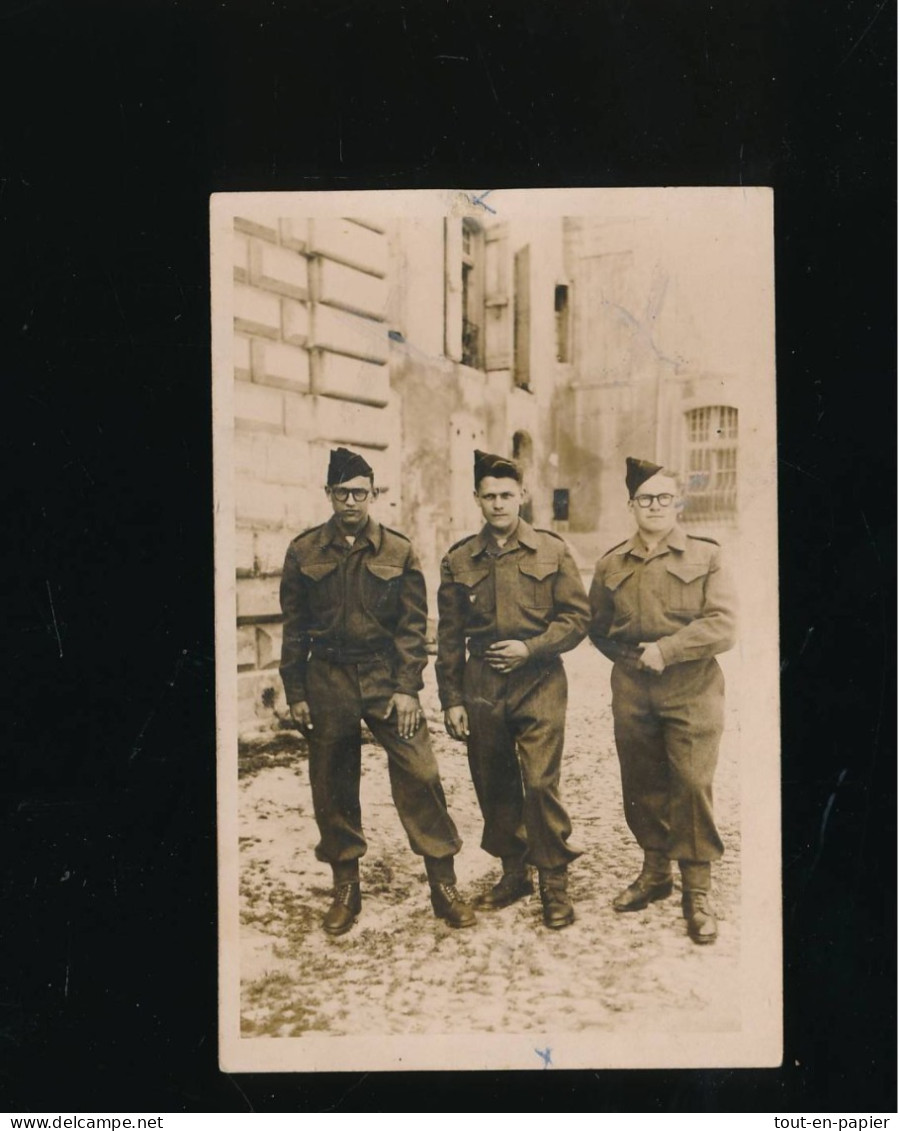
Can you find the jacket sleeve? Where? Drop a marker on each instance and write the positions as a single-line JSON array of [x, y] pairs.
[[295, 639], [451, 657], [715, 630], [602, 612], [412, 623], [571, 613]]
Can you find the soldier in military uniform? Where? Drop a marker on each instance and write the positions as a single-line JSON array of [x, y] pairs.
[[354, 605], [516, 595], [663, 606]]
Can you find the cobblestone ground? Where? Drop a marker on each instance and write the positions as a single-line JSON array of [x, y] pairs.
[[401, 971]]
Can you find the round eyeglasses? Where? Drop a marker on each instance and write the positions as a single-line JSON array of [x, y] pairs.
[[664, 500], [342, 494]]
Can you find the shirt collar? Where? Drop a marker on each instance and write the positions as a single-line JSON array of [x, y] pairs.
[[371, 532], [523, 533]]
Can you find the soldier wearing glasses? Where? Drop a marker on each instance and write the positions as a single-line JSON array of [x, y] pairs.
[[354, 605], [662, 607]]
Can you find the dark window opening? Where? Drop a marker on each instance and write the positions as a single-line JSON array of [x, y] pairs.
[[561, 311], [561, 504], [472, 294]]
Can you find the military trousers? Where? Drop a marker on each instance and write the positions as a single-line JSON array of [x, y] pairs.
[[668, 727], [340, 696], [516, 732]]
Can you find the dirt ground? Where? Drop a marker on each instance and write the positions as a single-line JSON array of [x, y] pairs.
[[402, 971]]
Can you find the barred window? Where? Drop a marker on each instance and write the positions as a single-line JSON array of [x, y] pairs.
[[711, 463]]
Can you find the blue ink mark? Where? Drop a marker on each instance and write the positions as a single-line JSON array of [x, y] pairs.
[[479, 201], [544, 1054]]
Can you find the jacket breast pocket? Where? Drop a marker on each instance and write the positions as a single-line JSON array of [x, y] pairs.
[[536, 579], [478, 589], [323, 589], [686, 584], [622, 595], [382, 589]]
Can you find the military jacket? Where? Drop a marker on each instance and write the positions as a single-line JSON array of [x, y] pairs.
[[528, 590], [678, 595], [350, 603]]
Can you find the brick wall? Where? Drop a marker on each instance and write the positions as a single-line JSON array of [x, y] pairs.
[[310, 368]]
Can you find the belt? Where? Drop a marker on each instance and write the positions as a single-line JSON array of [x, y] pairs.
[[337, 655]]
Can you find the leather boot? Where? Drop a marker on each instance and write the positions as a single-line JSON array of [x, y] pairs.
[[511, 887], [558, 909], [654, 882], [450, 906], [695, 902], [345, 908]]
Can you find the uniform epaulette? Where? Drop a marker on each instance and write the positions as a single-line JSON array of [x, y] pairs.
[[391, 530], [618, 546], [701, 538], [304, 533], [552, 533], [461, 542]]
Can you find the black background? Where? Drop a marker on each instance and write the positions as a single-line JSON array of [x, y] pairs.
[[119, 120]]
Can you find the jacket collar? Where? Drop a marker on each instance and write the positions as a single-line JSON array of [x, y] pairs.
[[524, 534], [676, 539], [330, 532]]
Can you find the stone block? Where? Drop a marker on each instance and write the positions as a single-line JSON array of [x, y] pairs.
[[257, 503], [268, 645], [244, 556], [241, 257], [259, 228], [350, 378], [257, 597], [343, 422], [350, 243], [256, 312], [281, 365], [304, 507], [294, 322], [349, 289], [287, 461], [246, 646], [260, 699], [241, 358], [299, 415], [250, 455], [278, 269], [269, 548], [293, 233], [342, 332], [258, 407]]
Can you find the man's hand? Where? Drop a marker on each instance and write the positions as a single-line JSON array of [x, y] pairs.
[[301, 716], [651, 659], [456, 720], [409, 713], [507, 655]]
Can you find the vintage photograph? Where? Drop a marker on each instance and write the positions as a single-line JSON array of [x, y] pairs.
[[497, 629]]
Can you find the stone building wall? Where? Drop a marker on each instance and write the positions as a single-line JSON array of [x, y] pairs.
[[310, 368], [417, 339]]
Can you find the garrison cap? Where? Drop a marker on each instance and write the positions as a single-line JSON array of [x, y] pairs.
[[344, 465], [498, 466], [638, 471]]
